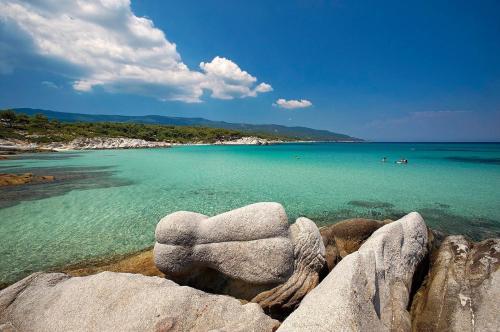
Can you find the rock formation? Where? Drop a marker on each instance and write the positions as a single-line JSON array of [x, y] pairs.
[[82, 143], [97, 143], [252, 253], [242, 253], [12, 145], [369, 290], [462, 289], [121, 302], [248, 140], [309, 259], [345, 237]]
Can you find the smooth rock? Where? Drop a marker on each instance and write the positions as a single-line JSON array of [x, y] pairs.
[[121, 302], [462, 289], [309, 260], [368, 290], [241, 252]]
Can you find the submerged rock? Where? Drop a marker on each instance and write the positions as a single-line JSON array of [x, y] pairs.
[[139, 262], [369, 290], [251, 253], [121, 302], [462, 289], [19, 179]]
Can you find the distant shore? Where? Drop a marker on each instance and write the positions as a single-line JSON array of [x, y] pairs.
[[10, 147]]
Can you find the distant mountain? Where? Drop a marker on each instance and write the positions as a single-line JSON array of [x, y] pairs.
[[301, 133]]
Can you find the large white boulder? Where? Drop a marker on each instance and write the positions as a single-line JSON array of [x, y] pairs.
[[121, 302], [369, 289], [250, 244], [250, 253]]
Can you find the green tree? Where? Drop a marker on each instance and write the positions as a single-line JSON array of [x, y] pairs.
[[55, 123], [40, 120], [22, 119], [8, 116]]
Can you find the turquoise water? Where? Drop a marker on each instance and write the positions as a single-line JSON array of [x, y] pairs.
[[108, 202]]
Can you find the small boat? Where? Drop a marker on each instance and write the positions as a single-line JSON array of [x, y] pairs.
[[402, 161]]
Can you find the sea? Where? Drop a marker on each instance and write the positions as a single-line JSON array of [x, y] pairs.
[[107, 203]]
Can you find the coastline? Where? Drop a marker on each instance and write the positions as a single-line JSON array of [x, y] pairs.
[[333, 264], [142, 261], [10, 147], [428, 209], [136, 262]]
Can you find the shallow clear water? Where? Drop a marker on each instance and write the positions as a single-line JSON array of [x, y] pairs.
[[108, 202]]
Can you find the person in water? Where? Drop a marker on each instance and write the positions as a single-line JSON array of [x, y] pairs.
[[384, 159]]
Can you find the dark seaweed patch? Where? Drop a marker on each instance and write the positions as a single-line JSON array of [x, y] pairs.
[[443, 206], [46, 156], [475, 160], [476, 228], [66, 179], [371, 204]]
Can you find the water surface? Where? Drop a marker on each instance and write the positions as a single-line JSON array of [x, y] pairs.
[[105, 203]]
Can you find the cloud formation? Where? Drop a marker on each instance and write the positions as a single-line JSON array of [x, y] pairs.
[[50, 84], [226, 80], [101, 43], [292, 103]]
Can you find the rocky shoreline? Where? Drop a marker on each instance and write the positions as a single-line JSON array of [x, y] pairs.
[[250, 270], [12, 146]]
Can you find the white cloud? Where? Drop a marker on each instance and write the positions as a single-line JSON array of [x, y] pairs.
[[263, 87], [50, 84], [292, 103], [102, 43], [226, 80]]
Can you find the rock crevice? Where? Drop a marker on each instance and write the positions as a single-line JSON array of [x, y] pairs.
[[369, 289]]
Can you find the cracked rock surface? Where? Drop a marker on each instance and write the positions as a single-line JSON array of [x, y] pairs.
[[462, 290]]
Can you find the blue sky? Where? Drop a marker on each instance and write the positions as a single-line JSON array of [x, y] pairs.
[[392, 70]]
